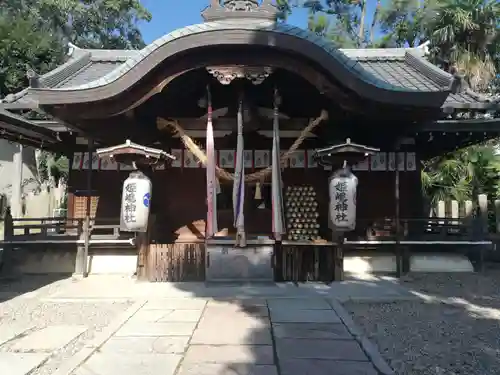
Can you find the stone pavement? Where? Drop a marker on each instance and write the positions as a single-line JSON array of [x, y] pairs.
[[194, 328], [276, 336], [23, 349]]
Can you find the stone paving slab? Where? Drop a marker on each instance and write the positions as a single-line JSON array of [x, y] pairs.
[[48, 339], [175, 304], [138, 329], [250, 310], [8, 332], [145, 345], [230, 354], [299, 304], [158, 316], [346, 350], [244, 302], [232, 335], [221, 317], [223, 369], [20, 363], [303, 316], [321, 367], [140, 364], [323, 331]]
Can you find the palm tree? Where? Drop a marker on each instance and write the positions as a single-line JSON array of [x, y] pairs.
[[463, 32], [404, 22], [462, 175]]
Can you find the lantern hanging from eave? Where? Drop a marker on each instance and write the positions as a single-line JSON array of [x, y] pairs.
[[136, 198], [343, 187]]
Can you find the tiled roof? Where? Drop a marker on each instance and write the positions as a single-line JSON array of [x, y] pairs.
[[400, 69], [398, 72]]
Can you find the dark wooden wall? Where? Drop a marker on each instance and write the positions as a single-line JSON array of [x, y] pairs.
[[179, 199]]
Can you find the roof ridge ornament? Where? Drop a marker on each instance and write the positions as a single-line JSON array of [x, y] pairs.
[[240, 9]]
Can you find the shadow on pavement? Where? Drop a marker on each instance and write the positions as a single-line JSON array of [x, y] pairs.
[[18, 285]]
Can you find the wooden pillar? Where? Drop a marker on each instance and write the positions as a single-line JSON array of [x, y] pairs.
[[338, 259], [81, 265], [399, 263], [144, 238], [278, 262], [483, 209], [8, 235], [337, 256], [143, 248], [17, 181]]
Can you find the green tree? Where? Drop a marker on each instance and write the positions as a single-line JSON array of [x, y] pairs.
[[345, 22], [404, 23], [464, 35], [462, 175], [87, 23], [33, 34], [21, 48]]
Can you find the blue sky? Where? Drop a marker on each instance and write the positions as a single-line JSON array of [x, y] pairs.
[[168, 15]]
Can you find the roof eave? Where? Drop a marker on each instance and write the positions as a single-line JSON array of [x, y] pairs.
[[24, 129], [473, 105], [459, 125], [339, 65]]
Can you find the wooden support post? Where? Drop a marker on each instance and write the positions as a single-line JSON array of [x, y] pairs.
[[144, 238], [482, 200], [278, 261], [399, 265], [143, 248], [336, 257], [80, 249], [88, 229], [497, 215], [17, 183], [8, 234]]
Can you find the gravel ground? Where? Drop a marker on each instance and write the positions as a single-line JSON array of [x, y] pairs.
[[453, 329], [30, 310]]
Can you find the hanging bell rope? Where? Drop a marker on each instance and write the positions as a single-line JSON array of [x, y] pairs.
[[196, 150]]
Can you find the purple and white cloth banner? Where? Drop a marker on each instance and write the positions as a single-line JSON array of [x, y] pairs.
[[211, 225], [278, 219], [239, 184]]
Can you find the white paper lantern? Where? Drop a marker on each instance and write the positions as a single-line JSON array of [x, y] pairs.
[[136, 199], [342, 188]]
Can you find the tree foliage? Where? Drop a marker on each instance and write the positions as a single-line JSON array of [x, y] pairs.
[[88, 23], [34, 33], [21, 48]]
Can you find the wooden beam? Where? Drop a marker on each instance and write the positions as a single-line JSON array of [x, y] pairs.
[[230, 123], [452, 126]]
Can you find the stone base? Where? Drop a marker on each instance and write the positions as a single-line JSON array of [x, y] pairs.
[[229, 264], [386, 263], [42, 260]]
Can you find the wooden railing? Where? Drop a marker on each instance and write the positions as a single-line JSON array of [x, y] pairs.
[[468, 235], [421, 229], [52, 229]]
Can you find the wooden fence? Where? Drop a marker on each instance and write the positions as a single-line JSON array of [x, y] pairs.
[[485, 209], [176, 262], [52, 229]]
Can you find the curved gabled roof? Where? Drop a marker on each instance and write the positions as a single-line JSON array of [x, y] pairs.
[[349, 72]]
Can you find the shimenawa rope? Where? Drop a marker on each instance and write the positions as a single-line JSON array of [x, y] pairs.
[[222, 173]]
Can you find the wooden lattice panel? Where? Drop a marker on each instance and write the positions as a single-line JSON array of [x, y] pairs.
[[80, 207], [176, 262]]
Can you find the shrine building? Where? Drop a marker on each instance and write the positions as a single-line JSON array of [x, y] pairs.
[[392, 101]]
